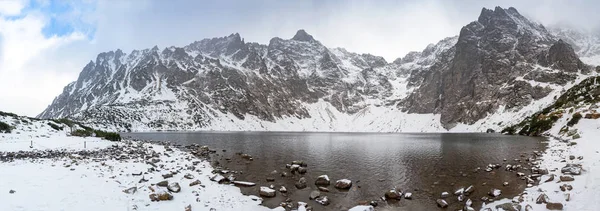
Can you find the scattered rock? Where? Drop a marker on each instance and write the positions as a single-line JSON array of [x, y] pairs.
[[468, 203], [528, 208], [469, 190], [302, 170], [393, 194], [506, 207], [197, 182], [244, 184], [445, 195], [323, 200], [164, 183], [12, 191], [323, 189], [167, 175], [408, 195], [131, 190], [189, 176], [442, 203], [301, 184], [314, 194], [174, 187], [549, 178], [573, 169], [461, 198], [554, 206], [322, 180], [218, 178], [188, 208], [164, 196], [505, 183], [566, 178], [542, 198], [459, 192], [266, 192], [566, 187], [283, 189], [343, 184], [270, 179], [495, 192]]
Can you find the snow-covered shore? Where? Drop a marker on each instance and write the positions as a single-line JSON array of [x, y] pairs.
[[79, 181], [562, 150]]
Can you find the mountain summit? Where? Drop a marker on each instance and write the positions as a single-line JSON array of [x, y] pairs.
[[502, 64]]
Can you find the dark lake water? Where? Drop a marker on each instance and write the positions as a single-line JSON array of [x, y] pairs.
[[424, 164]]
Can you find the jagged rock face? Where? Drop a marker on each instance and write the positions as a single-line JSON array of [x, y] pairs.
[[500, 60], [219, 76], [482, 72]]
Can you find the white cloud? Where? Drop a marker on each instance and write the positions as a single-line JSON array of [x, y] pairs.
[[11, 7]]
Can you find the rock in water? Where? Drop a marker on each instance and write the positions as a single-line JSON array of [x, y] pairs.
[[323, 200], [554, 206], [266, 192], [343, 184], [506, 207], [495, 192], [301, 184], [469, 190], [322, 180], [459, 192], [442, 203], [393, 194], [314, 194], [542, 198], [445, 195], [244, 184], [174, 187]]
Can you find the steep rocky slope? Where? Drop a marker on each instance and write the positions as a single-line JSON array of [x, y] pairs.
[[500, 64]]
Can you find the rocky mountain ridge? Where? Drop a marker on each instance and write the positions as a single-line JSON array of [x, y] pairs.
[[502, 62]]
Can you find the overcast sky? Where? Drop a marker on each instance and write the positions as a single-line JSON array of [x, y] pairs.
[[44, 44]]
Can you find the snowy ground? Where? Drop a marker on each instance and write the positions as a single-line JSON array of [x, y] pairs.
[[80, 182], [586, 186]]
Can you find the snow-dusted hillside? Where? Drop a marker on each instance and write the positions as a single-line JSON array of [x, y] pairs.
[[499, 65]]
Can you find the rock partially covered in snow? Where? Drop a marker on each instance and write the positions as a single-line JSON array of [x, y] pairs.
[[322, 180], [244, 184], [393, 194], [495, 192], [442, 203], [323, 200], [266, 192], [566, 178], [469, 190], [174, 187], [459, 192], [362, 208], [283, 189], [542, 198], [572, 169], [408, 195], [343, 184], [445, 195], [162, 196]]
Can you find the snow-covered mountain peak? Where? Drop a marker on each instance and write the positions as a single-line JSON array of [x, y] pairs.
[[301, 35]]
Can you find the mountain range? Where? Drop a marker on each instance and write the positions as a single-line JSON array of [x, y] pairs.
[[497, 70]]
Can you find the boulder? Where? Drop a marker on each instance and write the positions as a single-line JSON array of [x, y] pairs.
[[323, 200], [554, 206], [393, 194], [163, 183], [301, 184], [244, 184], [174, 187], [266, 192], [573, 169], [445, 195], [322, 180], [197, 182], [469, 190], [495, 192], [343, 184], [441, 203]]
